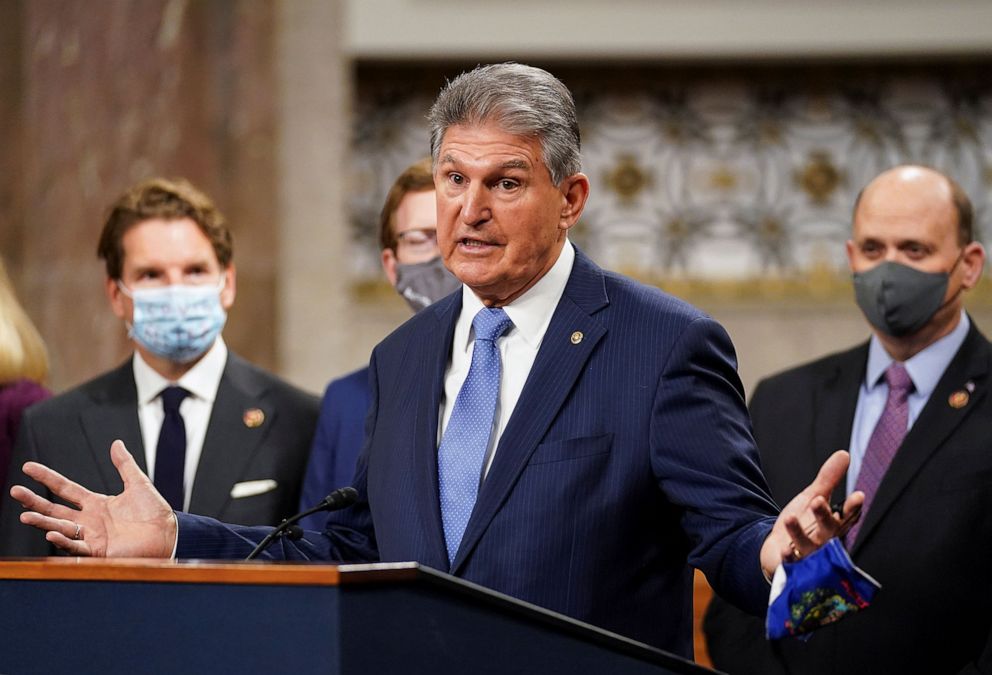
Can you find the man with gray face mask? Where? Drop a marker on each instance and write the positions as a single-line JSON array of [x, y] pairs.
[[412, 263], [912, 406]]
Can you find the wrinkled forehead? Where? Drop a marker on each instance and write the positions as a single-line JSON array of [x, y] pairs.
[[490, 147]]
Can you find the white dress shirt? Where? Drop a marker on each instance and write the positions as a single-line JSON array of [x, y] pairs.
[[531, 315], [201, 382], [925, 370]]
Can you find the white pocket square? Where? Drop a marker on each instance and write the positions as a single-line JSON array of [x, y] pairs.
[[250, 488]]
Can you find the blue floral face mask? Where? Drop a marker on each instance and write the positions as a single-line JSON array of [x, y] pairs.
[[820, 589], [178, 323]]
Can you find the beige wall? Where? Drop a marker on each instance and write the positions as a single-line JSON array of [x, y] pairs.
[[313, 340], [665, 29]]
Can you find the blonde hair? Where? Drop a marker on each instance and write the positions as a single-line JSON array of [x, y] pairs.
[[22, 352]]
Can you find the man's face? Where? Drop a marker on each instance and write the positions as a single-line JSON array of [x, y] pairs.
[[501, 222], [906, 221], [907, 216], [163, 253], [415, 225]]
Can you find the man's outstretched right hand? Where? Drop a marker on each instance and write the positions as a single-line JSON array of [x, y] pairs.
[[137, 523]]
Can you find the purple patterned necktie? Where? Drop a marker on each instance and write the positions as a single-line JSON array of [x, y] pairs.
[[885, 440]]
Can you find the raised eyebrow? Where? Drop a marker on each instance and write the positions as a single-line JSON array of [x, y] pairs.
[[515, 164]]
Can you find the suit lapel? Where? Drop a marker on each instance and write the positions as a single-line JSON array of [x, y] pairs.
[[967, 372], [114, 415], [556, 369], [433, 360], [229, 442], [835, 403]]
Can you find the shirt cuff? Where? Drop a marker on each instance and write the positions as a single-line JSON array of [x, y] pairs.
[[175, 544]]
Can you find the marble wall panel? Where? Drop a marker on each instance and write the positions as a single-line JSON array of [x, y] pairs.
[[11, 95], [107, 94]]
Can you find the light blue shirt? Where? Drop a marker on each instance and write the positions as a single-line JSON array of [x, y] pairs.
[[925, 370]]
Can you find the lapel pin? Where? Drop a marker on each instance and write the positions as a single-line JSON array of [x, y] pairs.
[[970, 386], [958, 399], [253, 417], [577, 337]]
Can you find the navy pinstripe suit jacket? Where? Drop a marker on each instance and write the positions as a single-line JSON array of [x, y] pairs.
[[628, 459]]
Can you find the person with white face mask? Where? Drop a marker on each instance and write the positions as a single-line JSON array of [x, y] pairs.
[[176, 322], [215, 434], [913, 407], [412, 264]]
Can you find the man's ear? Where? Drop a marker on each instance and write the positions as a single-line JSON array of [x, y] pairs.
[[973, 263], [575, 193], [118, 301], [849, 246], [230, 287], [389, 263]]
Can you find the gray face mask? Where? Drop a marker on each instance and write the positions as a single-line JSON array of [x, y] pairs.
[[898, 299], [423, 284]]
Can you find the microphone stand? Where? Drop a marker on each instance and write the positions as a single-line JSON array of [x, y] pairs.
[[288, 528]]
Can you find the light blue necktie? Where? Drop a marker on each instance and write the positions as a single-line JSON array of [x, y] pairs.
[[466, 439]]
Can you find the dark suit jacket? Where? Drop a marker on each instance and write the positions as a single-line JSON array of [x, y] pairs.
[[927, 538], [339, 437], [72, 434], [627, 459]]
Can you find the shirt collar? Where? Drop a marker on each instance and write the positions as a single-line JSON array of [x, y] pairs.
[[531, 312], [925, 368], [201, 381]]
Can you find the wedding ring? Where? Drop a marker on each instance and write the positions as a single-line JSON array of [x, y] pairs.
[[76, 535], [796, 553]]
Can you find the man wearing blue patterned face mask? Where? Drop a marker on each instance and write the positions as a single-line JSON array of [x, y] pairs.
[[178, 322], [217, 435]]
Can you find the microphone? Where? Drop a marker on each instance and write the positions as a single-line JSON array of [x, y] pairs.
[[288, 528]]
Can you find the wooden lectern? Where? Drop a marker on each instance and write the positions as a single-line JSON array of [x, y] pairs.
[[72, 615]]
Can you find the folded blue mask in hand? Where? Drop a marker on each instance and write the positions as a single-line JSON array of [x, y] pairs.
[[818, 590]]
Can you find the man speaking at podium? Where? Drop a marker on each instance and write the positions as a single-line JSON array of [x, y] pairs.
[[553, 431]]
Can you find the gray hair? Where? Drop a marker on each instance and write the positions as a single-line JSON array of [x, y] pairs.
[[521, 100]]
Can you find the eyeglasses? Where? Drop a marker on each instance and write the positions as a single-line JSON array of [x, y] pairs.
[[421, 240]]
